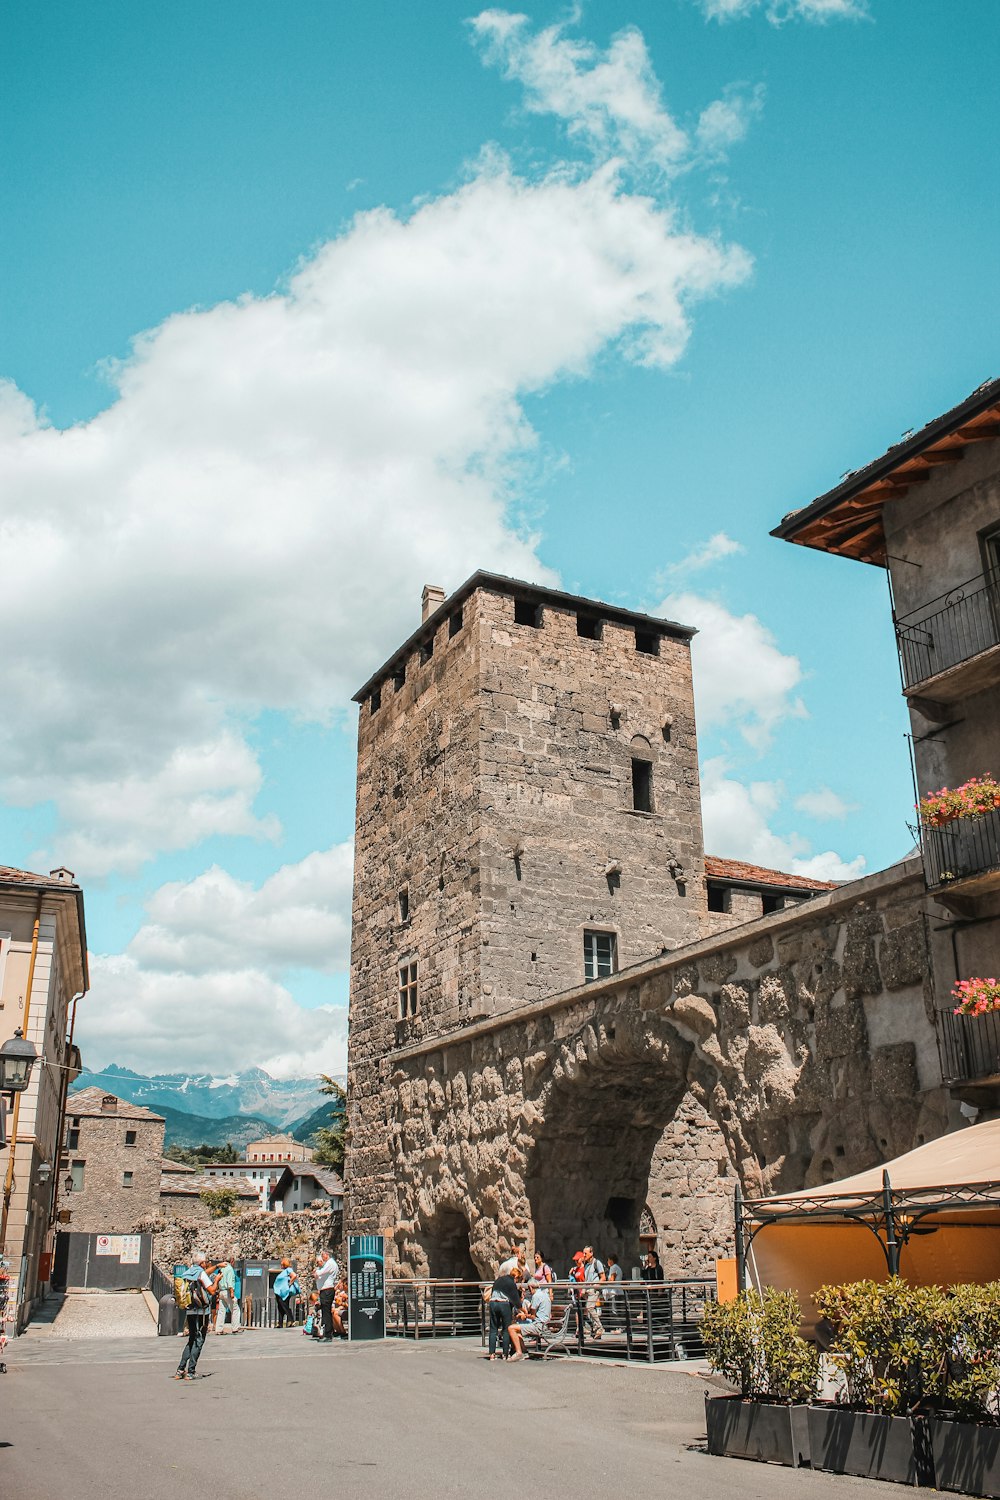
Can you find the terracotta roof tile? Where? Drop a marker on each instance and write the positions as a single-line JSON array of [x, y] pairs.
[[735, 869]]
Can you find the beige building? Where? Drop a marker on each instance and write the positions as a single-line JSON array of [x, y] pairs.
[[110, 1167], [43, 972], [276, 1150]]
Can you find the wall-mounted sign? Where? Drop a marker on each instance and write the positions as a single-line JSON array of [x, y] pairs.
[[366, 1286]]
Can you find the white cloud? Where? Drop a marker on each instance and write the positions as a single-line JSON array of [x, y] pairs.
[[249, 523], [741, 678], [779, 11], [714, 550], [230, 1020], [612, 101], [300, 917], [825, 805], [736, 818]]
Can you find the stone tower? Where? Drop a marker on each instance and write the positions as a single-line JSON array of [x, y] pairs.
[[528, 818]]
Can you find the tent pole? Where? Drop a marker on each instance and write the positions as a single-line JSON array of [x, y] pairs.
[[891, 1243], [741, 1254]]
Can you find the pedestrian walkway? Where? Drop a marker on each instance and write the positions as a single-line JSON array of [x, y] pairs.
[[87, 1315], [49, 1346]]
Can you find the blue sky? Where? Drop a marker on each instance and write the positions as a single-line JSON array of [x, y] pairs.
[[303, 307]]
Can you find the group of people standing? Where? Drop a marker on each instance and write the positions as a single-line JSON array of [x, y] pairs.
[[204, 1288], [520, 1301]]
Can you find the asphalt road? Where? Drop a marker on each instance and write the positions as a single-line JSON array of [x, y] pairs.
[[278, 1418]]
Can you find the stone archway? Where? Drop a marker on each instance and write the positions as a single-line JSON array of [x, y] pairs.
[[446, 1238]]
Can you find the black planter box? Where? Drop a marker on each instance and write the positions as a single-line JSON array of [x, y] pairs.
[[874, 1446], [766, 1431], [966, 1457]]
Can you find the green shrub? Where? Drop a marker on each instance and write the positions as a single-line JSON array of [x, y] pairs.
[[973, 1387], [754, 1341], [219, 1201], [891, 1341]]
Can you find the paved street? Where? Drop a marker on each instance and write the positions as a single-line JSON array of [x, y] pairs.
[[278, 1418]]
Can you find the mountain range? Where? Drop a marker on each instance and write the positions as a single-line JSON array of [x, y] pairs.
[[202, 1107]]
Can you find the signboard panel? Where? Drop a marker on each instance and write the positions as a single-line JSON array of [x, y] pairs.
[[366, 1286], [131, 1246]]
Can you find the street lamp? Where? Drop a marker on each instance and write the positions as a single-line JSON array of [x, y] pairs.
[[17, 1058]]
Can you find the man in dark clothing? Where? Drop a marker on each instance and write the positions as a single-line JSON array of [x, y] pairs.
[[652, 1270]]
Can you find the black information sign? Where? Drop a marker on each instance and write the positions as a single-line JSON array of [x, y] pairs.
[[366, 1286]]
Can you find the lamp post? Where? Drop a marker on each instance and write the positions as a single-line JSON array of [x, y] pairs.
[[17, 1058]]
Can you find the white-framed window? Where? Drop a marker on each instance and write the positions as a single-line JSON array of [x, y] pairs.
[[126, 1179], [76, 1173], [600, 954], [409, 996]]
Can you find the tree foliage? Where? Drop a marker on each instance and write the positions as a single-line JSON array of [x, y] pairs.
[[328, 1142], [197, 1156], [754, 1341], [220, 1201]]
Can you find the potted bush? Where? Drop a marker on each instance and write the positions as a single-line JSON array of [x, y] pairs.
[[890, 1341], [754, 1342], [973, 799], [965, 1434]]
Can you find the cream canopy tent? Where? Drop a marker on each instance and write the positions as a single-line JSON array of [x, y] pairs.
[[932, 1215]]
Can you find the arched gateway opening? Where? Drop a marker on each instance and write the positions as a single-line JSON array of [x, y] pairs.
[[588, 1171], [446, 1241]]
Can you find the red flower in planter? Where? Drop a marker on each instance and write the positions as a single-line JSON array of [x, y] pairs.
[[973, 799], [976, 997]]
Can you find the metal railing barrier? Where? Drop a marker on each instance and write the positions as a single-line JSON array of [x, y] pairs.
[[962, 848], [640, 1320], [968, 1046], [949, 630]]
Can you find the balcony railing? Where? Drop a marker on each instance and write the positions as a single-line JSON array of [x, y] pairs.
[[965, 850], [950, 630], [968, 1046]]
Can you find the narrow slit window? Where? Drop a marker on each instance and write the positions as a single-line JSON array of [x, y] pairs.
[[642, 786], [375, 701], [73, 1139], [76, 1173], [648, 642], [454, 623], [600, 955], [427, 649], [589, 627], [399, 678], [526, 613], [409, 1000], [403, 904]]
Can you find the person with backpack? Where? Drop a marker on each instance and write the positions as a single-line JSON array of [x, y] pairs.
[[193, 1290], [287, 1289]]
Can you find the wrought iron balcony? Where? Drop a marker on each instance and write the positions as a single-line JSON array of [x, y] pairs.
[[969, 1047], [964, 854], [950, 647]]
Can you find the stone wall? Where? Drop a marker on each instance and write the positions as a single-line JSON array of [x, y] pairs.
[[252, 1236], [792, 1051]]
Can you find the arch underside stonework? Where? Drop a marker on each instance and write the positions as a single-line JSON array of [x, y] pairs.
[[752, 1061]]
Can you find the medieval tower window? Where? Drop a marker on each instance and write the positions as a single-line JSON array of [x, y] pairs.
[[403, 905], [600, 955], [648, 642], [642, 785], [130, 1137], [375, 701], [454, 623], [409, 1003], [526, 613], [719, 896], [589, 627], [399, 677]]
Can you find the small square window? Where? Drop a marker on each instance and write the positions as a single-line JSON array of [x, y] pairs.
[[600, 955], [648, 642], [408, 997], [454, 623], [126, 1179], [375, 701], [719, 897], [403, 904], [130, 1137], [771, 901], [526, 613], [589, 627], [642, 786]]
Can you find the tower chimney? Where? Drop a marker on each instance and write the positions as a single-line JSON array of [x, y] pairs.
[[430, 599]]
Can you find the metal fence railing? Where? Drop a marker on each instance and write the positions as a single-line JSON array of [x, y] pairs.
[[968, 1046], [960, 849], [950, 630], [641, 1320], [161, 1283]]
